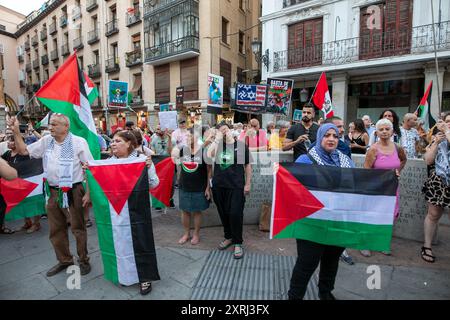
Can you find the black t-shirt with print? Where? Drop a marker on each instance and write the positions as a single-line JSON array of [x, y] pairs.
[[12, 160], [298, 130], [229, 166], [194, 173]]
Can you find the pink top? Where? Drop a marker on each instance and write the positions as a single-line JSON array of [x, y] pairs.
[[386, 161], [253, 142]]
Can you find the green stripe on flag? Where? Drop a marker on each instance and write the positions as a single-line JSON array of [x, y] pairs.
[[353, 235], [104, 228], [156, 203], [77, 127], [27, 208]]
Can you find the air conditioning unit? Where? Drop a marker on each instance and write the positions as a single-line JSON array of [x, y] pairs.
[[2, 50], [21, 100], [21, 75], [19, 51], [4, 74]]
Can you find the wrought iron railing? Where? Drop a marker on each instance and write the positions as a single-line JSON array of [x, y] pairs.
[[28, 67], [91, 5], [133, 58], [44, 60], [171, 48], [151, 6], [27, 45], [112, 65], [34, 40], [52, 28], [43, 34], [111, 27], [36, 64], [54, 55], [377, 45], [288, 3], [65, 49], [21, 58], [78, 43], [133, 17], [93, 36], [63, 21], [94, 70]]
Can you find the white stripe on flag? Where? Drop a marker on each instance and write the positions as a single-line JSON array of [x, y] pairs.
[[123, 245], [358, 208]]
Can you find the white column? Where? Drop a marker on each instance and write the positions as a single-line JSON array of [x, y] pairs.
[[430, 75], [340, 95]]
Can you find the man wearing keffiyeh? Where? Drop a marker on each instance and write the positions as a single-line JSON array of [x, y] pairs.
[[63, 155]]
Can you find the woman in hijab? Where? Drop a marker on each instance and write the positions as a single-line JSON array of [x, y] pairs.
[[310, 253]]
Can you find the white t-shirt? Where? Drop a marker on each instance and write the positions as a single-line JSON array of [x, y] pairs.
[[81, 153], [409, 139]]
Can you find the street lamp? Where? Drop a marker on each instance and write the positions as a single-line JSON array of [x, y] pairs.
[[256, 49]]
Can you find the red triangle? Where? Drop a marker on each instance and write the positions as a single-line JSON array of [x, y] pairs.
[[64, 85], [293, 201], [15, 191], [88, 80], [118, 181], [165, 170]]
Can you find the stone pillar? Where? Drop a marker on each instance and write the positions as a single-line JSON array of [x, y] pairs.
[[430, 75], [340, 95]]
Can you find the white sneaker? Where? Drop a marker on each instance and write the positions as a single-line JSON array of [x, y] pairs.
[[366, 253]]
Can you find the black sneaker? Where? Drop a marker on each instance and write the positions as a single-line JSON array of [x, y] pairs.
[[326, 296], [145, 287], [43, 216], [85, 268], [158, 209], [172, 204]]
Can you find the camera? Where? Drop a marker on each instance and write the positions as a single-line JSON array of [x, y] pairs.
[[23, 128]]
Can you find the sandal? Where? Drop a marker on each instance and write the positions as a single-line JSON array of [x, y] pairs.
[[238, 251], [183, 239], [34, 227], [225, 244], [195, 240], [424, 254], [6, 230]]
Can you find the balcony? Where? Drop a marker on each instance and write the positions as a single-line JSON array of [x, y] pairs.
[[62, 21], [94, 71], [288, 3], [76, 13], [29, 88], [133, 18], [183, 48], [91, 5], [111, 28], [22, 84], [151, 8], [65, 50], [112, 65], [54, 55], [27, 45], [34, 40], [36, 64], [20, 58], [418, 40], [44, 60], [137, 102], [28, 67], [134, 58], [44, 34], [36, 87], [52, 28], [93, 36], [78, 43]]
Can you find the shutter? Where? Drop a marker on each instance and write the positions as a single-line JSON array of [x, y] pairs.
[[162, 83], [305, 43], [225, 72], [189, 78], [370, 39], [397, 38]]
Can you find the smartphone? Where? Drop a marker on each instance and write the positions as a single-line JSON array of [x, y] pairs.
[[23, 128]]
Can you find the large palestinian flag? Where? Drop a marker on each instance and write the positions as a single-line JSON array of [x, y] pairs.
[[65, 92], [24, 196], [350, 208], [165, 169], [120, 198], [423, 110]]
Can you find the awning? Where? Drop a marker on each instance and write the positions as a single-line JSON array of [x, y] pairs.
[[137, 85], [11, 104]]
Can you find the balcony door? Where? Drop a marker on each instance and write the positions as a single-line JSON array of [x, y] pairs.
[[386, 35], [305, 43]]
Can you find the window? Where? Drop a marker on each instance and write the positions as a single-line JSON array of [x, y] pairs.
[[189, 78], [136, 40], [241, 42], [225, 24], [81, 62], [240, 75], [305, 44], [96, 57], [241, 4], [225, 72], [162, 83]]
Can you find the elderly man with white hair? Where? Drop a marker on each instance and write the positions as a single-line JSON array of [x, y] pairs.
[[63, 155], [368, 124], [410, 136]]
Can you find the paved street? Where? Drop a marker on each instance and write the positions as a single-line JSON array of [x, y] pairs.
[[186, 270]]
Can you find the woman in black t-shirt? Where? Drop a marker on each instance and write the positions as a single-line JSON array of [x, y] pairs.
[[194, 189], [360, 138]]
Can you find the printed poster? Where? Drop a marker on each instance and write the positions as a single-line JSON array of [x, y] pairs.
[[279, 95]]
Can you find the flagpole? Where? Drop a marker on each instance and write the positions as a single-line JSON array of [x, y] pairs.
[[436, 61], [25, 106], [315, 88]]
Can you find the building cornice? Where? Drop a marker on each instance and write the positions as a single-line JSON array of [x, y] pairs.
[[51, 7], [8, 34], [298, 9]]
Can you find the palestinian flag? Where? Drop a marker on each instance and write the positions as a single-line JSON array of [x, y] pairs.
[[350, 208], [65, 93], [91, 89], [24, 196], [44, 122], [423, 110], [321, 97], [165, 169], [120, 199]]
